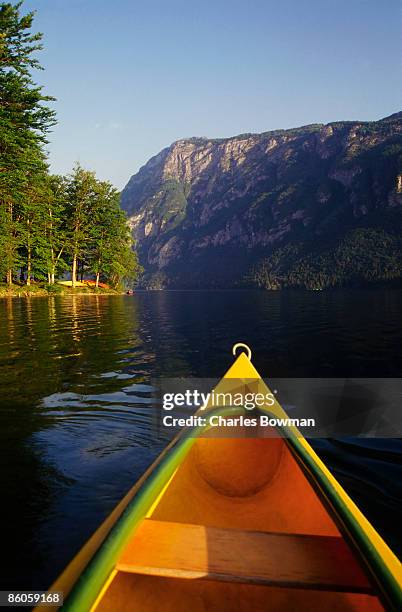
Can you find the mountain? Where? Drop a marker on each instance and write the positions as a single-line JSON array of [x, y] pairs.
[[315, 206]]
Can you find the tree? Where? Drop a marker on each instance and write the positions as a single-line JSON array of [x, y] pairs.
[[32, 221], [124, 266], [105, 221], [55, 226], [8, 245], [24, 122], [120, 261], [81, 185], [43, 227], [111, 252], [97, 231], [47, 222]]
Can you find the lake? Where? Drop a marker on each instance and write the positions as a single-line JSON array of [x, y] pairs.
[[76, 417]]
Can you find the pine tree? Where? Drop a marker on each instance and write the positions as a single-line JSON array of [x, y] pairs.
[[47, 222], [24, 123], [32, 214]]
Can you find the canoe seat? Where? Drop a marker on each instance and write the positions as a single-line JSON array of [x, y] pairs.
[[180, 550]]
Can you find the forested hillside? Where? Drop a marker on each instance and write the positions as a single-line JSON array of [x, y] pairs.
[[317, 206]]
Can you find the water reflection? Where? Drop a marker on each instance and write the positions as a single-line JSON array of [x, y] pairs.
[[76, 411]]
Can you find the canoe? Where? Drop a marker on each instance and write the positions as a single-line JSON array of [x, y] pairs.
[[235, 523], [68, 283], [84, 283]]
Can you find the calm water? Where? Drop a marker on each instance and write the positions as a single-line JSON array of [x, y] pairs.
[[76, 414]]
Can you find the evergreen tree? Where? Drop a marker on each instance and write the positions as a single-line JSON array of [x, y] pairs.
[[48, 222], [32, 214], [24, 122]]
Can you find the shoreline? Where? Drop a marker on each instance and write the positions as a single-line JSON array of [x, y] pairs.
[[23, 291]]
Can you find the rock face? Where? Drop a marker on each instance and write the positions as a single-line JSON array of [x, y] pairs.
[[206, 212]]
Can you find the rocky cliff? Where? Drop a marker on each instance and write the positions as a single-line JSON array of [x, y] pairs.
[[282, 208]]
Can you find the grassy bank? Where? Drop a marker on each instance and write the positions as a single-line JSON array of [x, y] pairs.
[[36, 290]]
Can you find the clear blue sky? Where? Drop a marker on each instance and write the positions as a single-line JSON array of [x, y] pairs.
[[131, 77]]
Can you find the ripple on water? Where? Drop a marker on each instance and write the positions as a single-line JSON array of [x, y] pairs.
[[79, 424]]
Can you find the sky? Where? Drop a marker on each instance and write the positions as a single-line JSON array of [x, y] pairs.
[[132, 77]]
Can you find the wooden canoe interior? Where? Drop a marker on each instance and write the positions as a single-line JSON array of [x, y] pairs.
[[161, 548], [239, 527]]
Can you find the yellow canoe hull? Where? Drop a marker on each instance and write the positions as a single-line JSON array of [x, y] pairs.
[[235, 524], [68, 283]]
